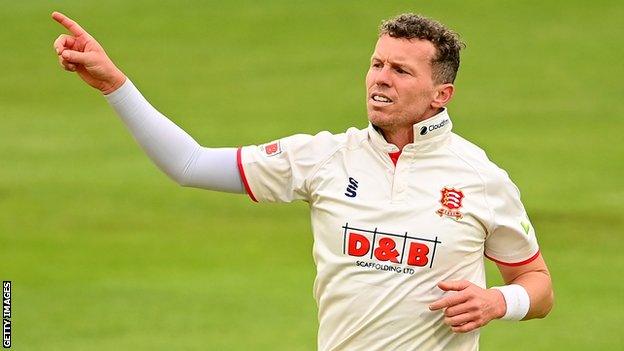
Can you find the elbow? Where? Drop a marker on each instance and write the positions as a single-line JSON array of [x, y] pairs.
[[550, 303], [547, 300], [180, 177], [182, 173], [547, 305], [182, 180]]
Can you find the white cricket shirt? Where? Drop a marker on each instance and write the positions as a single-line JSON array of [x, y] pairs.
[[386, 234]]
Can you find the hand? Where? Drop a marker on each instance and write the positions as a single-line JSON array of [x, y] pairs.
[[81, 53], [471, 307]]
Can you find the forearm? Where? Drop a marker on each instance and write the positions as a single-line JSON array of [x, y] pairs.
[[174, 151], [539, 288]]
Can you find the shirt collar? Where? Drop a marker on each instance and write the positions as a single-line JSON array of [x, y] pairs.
[[430, 132]]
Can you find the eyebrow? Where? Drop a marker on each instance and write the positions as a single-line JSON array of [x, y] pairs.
[[399, 62]]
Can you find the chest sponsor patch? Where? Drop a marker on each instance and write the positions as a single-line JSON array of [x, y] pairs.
[[451, 203], [398, 252]]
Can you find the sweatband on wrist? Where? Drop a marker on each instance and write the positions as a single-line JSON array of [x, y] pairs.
[[517, 301]]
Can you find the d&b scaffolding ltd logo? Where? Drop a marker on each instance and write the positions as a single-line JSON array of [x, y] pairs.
[[406, 251]]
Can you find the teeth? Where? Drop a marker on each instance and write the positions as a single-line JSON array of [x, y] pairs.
[[381, 98]]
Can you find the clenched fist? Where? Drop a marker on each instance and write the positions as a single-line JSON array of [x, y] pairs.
[[81, 53]]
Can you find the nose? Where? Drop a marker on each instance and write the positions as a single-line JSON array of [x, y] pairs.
[[381, 77]]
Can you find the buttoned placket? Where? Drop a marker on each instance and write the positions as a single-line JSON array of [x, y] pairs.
[[428, 133], [401, 174]]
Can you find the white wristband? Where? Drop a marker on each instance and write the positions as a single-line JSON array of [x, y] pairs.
[[517, 300]]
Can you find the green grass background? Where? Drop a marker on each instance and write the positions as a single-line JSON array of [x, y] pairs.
[[106, 253]]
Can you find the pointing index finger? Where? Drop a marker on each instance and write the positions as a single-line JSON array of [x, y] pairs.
[[448, 301], [68, 23]]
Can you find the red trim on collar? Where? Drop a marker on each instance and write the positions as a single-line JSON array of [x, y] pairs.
[[394, 156], [241, 171]]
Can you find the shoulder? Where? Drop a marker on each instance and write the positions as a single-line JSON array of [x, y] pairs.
[[475, 158], [323, 144], [500, 195]]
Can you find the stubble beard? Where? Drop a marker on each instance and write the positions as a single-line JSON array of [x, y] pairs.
[[391, 122]]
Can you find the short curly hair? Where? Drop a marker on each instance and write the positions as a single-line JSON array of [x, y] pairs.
[[446, 42]]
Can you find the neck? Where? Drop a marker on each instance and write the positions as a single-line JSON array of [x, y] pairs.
[[399, 137], [404, 135]]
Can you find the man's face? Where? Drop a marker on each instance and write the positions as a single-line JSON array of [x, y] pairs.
[[399, 83]]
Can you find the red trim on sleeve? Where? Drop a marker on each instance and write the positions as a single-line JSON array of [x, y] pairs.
[[394, 156], [241, 171], [515, 264]]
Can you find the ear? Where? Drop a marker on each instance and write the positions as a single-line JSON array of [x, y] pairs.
[[443, 94]]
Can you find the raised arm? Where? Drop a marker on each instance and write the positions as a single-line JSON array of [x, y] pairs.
[[174, 151]]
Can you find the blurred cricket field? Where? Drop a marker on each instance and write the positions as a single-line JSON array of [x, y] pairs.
[[106, 253]]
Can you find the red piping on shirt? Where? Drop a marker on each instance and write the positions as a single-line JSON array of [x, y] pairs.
[[241, 171], [394, 156], [529, 260]]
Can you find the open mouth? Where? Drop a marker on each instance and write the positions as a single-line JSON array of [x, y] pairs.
[[381, 99]]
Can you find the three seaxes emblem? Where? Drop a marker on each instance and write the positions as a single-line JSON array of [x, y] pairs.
[[451, 202]]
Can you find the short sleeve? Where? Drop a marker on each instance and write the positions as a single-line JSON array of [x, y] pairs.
[[279, 171], [511, 239]]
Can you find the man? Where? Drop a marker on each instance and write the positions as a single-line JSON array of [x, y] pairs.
[[403, 211]]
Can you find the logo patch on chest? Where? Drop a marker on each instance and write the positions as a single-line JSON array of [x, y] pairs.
[[451, 203], [386, 251], [352, 188]]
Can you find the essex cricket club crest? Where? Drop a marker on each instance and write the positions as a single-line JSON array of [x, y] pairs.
[[451, 202]]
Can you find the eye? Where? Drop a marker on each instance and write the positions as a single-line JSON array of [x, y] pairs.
[[400, 70], [377, 64]]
